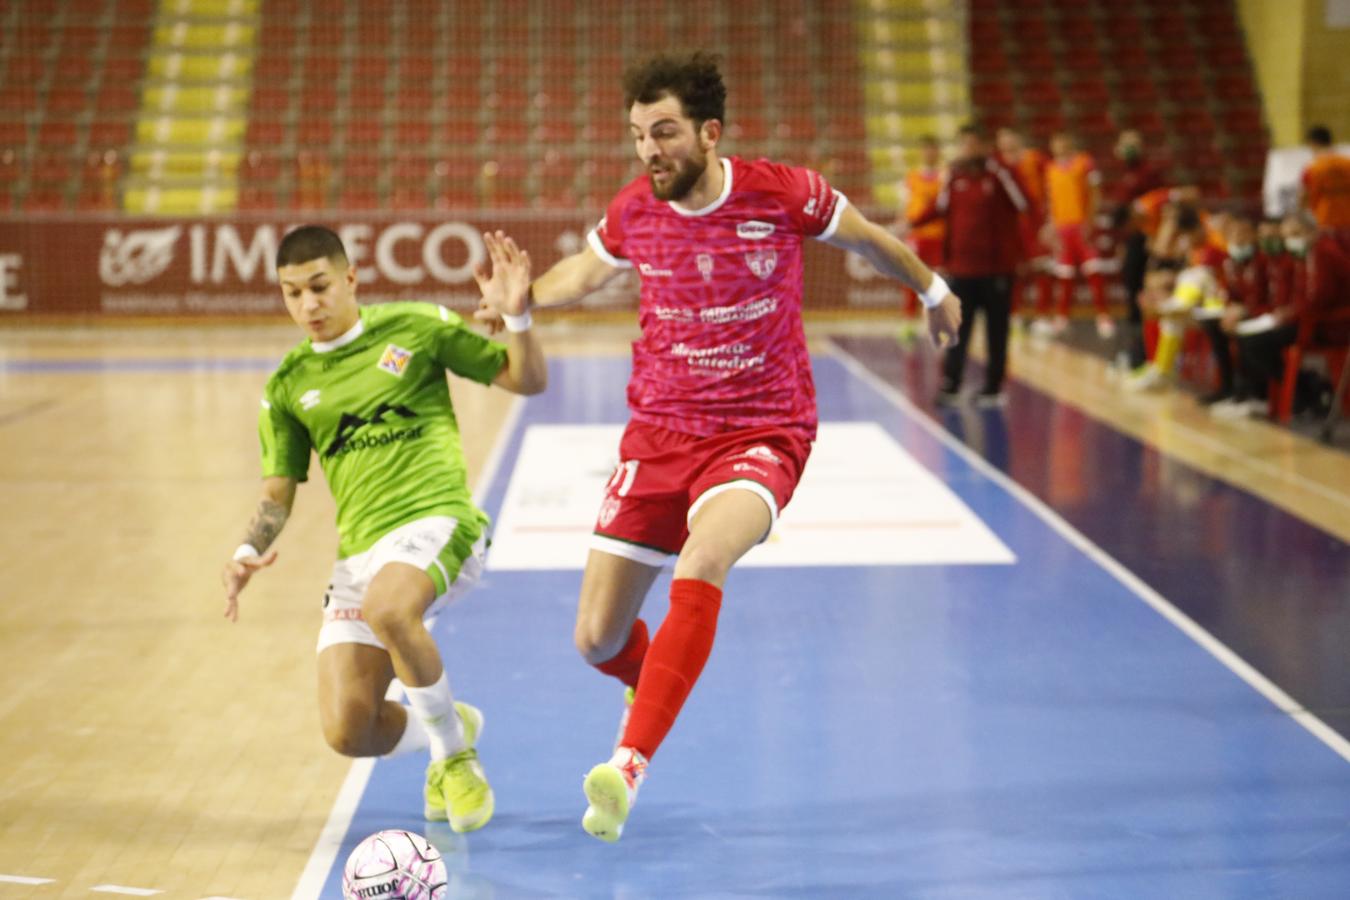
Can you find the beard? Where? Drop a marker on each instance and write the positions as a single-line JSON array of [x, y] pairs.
[[686, 175]]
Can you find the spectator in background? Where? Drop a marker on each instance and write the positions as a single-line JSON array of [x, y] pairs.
[[1184, 286], [1138, 177], [1245, 280], [1261, 339], [1326, 182], [981, 200], [922, 184], [1073, 196], [1029, 163]]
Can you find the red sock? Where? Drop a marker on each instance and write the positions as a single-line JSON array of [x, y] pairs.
[[1044, 293], [1097, 284], [1067, 287], [626, 665], [674, 662]]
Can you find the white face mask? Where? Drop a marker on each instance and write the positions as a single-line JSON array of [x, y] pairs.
[[1241, 252], [1296, 245]]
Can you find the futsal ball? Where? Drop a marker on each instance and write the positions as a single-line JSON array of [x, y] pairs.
[[394, 865]]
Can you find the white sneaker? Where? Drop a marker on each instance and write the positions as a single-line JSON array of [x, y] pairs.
[[1238, 409], [1106, 327], [611, 791], [1059, 326], [996, 400], [1042, 328], [1150, 379]]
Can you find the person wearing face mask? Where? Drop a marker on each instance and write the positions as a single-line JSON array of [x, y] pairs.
[[1262, 339], [1244, 278]]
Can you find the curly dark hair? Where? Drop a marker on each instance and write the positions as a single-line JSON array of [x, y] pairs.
[[692, 78]]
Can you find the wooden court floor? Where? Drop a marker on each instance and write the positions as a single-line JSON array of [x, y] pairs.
[[147, 743]]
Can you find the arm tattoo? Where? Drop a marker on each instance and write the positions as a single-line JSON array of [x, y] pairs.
[[266, 525]]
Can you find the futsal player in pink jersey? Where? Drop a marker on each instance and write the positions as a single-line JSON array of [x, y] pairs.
[[723, 407]]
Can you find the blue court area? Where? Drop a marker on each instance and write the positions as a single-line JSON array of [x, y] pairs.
[[1030, 730]]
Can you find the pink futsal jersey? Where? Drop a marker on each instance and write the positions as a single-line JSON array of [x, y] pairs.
[[722, 344]]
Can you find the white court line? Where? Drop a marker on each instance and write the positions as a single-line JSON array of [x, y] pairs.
[[1188, 626], [128, 891], [24, 879], [354, 785]]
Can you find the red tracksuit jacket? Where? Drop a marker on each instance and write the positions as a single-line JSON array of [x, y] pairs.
[[981, 200]]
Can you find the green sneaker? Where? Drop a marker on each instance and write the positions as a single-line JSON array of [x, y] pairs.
[[471, 720], [611, 790]]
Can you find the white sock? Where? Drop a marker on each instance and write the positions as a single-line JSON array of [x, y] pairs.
[[435, 706], [414, 736]]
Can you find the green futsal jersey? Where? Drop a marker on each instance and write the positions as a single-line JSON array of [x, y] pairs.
[[373, 405]]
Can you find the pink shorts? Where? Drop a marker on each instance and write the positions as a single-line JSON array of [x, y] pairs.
[[663, 477]]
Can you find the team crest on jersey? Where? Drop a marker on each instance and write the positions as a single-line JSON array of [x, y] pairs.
[[705, 266], [608, 510], [761, 262], [395, 360]]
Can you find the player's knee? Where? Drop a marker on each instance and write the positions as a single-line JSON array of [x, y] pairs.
[[388, 613], [705, 562], [348, 726], [596, 643]]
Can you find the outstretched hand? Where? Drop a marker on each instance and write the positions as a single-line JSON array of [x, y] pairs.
[[505, 284], [944, 322], [236, 574]]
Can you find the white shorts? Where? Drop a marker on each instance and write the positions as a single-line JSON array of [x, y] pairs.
[[452, 556]]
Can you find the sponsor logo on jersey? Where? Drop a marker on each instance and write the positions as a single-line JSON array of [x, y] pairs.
[[395, 360], [761, 262], [309, 400], [346, 440], [705, 266], [754, 230], [652, 271], [136, 256]]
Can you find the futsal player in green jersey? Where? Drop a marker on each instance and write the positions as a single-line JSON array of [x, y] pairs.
[[366, 393]]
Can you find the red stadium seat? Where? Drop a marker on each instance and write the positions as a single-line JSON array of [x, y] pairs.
[[18, 99], [408, 197], [58, 134], [412, 132], [262, 133], [14, 132], [257, 198], [109, 133], [44, 198], [361, 167]]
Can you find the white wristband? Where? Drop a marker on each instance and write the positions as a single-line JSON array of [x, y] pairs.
[[244, 550], [936, 293], [517, 324]]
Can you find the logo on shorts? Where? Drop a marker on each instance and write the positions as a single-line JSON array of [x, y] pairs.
[[759, 451], [608, 510], [754, 230], [395, 360], [750, 467], [761, 262], [705, 266]]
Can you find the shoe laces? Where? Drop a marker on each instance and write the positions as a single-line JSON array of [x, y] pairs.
[[635, 769], [462, 763]]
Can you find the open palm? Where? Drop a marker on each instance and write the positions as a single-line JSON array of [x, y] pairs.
[[506, 283]]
